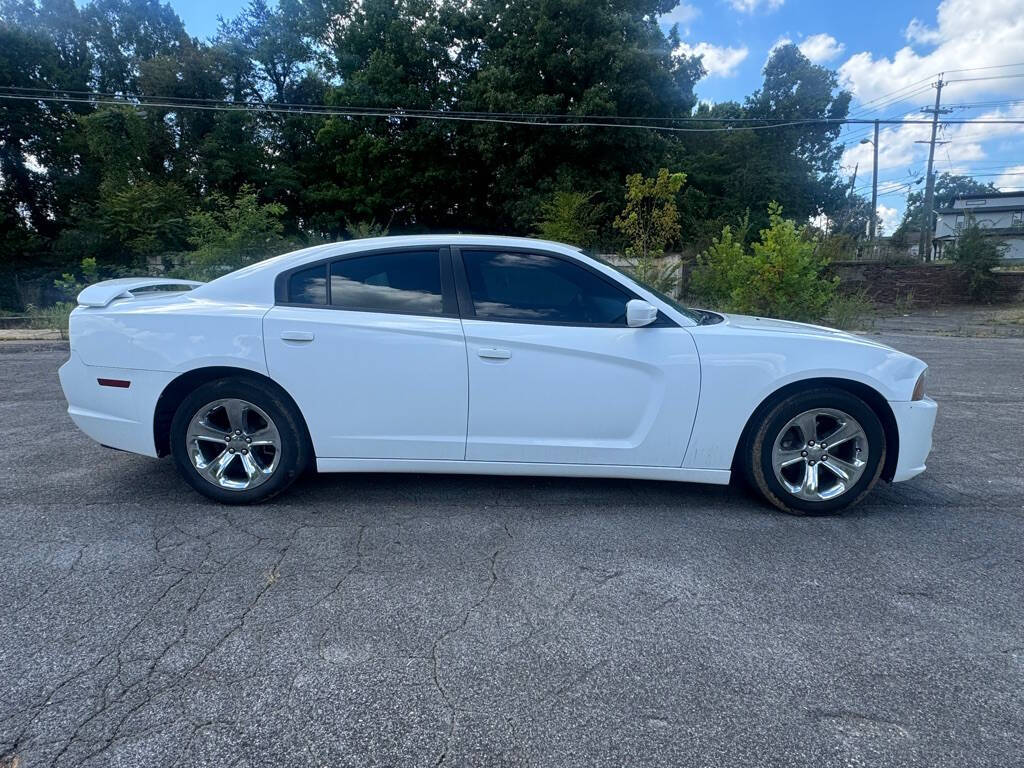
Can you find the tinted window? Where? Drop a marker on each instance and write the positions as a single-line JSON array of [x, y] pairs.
[[407, 281], [308, 286], [528, 286]]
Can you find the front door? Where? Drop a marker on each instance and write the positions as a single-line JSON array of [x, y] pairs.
[[556, 376], [372, 349]]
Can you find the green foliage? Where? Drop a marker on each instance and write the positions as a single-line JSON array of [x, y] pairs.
[[125, 183], [71, 286], [721, 268], [649, 222], [976, 255], [145, 218], [782, 275], [58, 316], [850, 311], [730, 172], [837, 247], [904, 302], [363, 229], [570, 217], [232, 233]]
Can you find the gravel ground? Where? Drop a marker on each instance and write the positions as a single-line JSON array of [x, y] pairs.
[[428, 620]]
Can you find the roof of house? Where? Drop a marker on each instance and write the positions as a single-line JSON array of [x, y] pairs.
[[986, 195], [986, 209], [1013, 232]]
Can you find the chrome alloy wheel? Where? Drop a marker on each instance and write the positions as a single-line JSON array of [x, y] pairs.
[[820, 454], [233, 444]]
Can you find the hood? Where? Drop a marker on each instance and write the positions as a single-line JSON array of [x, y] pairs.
[[767, 324]]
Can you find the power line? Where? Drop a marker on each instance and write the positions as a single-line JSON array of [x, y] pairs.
[[897, 99], [535, 119], [991, 66], [891, 94], [987, 77]]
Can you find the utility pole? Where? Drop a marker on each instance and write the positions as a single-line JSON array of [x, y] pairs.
[[924, 249], [874, 192], [849, 198]]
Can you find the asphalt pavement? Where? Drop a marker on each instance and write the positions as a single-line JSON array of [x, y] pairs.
[[376, 620]]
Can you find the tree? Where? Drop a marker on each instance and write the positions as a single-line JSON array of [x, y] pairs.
[[730, 172], [81, 180], [566, 57], [649, 222], [231, 233], [570, 217], [976, 254], [125, 33], [782, 275]]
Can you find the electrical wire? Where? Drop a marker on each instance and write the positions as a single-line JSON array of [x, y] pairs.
[[528, 119]]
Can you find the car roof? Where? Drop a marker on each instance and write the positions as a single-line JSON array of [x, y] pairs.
[[255, 282]]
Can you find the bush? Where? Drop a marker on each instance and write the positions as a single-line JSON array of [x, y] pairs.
[[976, 255], [850, 311], [570, 217], [720, 268], [783, 275], [56, 316], [231, 234]]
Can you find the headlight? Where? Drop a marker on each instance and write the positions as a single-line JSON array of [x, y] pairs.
[[919, 387]]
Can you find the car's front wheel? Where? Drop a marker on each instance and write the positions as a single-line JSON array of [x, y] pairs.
[[238, 441], [816, 452]]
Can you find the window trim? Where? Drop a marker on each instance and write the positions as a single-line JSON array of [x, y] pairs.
[[449, 302], [468, 311]]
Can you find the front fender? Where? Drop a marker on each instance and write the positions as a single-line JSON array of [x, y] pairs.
[[741, 369]]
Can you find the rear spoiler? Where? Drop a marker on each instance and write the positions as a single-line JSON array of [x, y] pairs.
[[101, 294]]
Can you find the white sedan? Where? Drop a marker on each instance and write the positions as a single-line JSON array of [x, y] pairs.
[[483, 355]]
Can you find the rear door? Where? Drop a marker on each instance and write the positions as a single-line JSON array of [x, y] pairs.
[[371, 347], [555, 374]]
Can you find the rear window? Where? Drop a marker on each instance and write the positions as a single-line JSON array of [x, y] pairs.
[[404, 281], [309, 286]]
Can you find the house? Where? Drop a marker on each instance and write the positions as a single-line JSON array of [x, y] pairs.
[[998, 214]]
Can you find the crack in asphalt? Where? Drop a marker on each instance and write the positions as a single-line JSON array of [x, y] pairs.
[[435, 654]]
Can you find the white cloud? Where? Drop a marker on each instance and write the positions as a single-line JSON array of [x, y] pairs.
[[682, 15], [749, 6], [1012, 179], [919, 32], [969, 34], [719, 61], [889, 218], [820, 48], [898, 145]]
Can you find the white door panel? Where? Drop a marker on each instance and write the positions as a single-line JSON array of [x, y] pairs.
[[580, 395], [372, 384]]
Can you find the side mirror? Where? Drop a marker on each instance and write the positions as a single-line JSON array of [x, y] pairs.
[[639, 313]]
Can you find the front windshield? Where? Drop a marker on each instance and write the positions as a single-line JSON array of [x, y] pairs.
[[690, 313]]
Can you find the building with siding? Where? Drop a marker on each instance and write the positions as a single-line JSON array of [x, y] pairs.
[[999, 215]]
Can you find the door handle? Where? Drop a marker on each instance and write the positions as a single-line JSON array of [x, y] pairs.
[[493, 353], [296, 336]]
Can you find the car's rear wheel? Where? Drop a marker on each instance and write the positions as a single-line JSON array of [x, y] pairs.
[[238, 441], [816, 452]]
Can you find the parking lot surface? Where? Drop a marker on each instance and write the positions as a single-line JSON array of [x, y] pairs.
[[432, 620]]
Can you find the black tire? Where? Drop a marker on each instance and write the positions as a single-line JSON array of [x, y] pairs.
[[295, 449], [757, 453]]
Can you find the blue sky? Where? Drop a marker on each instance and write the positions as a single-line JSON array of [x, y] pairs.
[[887, 53]]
